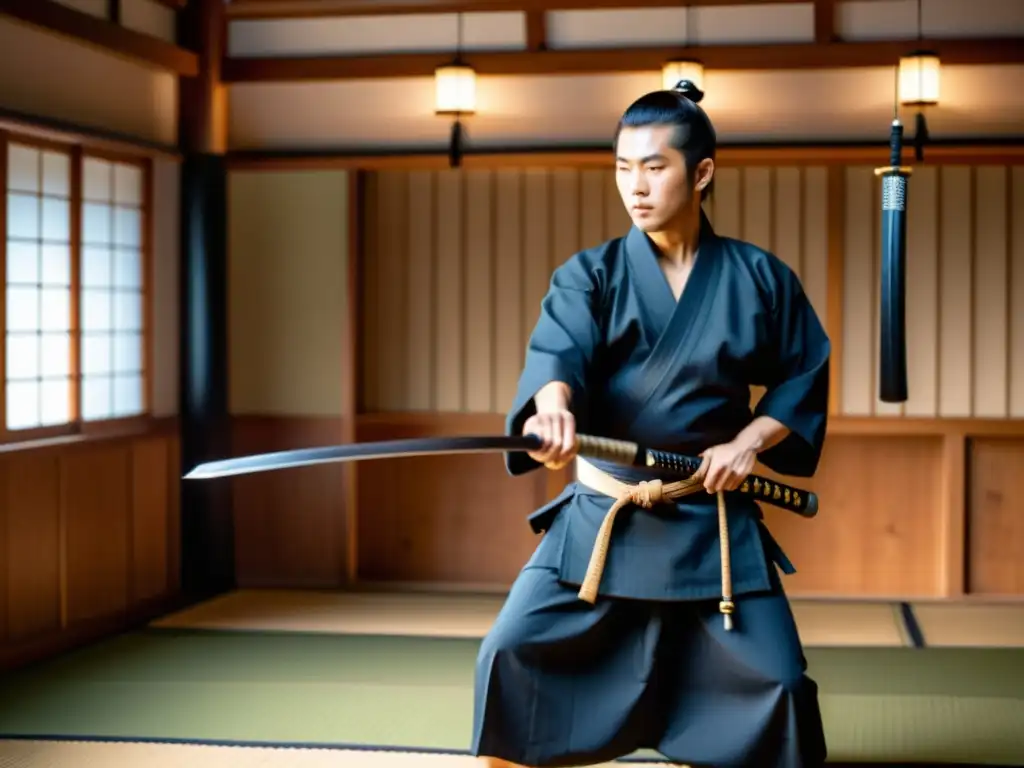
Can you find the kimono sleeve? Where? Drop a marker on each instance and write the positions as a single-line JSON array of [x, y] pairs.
[[796, 378], [561, 348]]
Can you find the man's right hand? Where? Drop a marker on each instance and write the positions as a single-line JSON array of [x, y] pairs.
[[557, 429]]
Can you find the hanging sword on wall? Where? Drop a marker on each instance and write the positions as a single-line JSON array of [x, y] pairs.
[[892, 326], [621, 452]]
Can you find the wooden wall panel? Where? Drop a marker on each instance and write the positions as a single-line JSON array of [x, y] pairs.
[[995, 523], [151, 497], [35, 566], [462, 520], [289, 532], [878, 532], [90, 540], [450, 519], [95, 491]]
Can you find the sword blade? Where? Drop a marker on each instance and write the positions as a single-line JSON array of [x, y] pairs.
[[616, 451], [305, 457]]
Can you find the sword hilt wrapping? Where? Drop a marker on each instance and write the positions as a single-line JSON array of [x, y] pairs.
[[760, 488], [607, 449]]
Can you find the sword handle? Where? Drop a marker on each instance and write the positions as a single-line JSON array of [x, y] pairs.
[[607, 449], [803, 502]]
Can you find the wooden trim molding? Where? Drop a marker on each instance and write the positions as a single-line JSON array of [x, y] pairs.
[[351, 357], [466, 423], [130, 429], [4, 139], [785, 56], [938, 153], [284, 9], [825, 21], [62, 20], [91, 138], [536, 31]]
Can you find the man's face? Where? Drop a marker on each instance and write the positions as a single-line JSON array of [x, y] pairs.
[[651, 177]]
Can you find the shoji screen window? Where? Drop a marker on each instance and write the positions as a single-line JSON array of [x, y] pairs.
[[38, 344], [112, 294]]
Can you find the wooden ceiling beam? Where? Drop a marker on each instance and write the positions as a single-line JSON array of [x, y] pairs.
[[284, 9], [536, 31], [825, 21], [939, 152], [548, 62], [91, 30]]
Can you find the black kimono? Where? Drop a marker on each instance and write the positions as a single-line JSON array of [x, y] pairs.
[[650, 666]]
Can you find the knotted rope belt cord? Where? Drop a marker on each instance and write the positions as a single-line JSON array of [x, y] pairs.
[[646, 494]]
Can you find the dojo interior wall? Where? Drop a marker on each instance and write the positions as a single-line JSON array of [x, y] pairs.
[[427, 249], [916, 499], [88, 525]]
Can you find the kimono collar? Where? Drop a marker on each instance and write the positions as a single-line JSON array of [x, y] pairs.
[[638, 242], [642, 257]]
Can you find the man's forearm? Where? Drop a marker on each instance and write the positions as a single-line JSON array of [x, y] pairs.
[[761, 434], [553, 396]]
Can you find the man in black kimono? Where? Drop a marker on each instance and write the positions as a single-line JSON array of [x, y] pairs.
[[657, 337]]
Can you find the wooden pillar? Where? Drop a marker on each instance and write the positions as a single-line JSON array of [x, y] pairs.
[[207, 530]]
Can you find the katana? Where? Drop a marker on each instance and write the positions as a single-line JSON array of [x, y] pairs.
[[892, 368], [621, 452]]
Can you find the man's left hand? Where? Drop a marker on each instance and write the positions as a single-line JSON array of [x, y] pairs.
[[727, 465]]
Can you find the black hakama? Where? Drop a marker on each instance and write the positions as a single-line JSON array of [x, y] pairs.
[[561, 682]]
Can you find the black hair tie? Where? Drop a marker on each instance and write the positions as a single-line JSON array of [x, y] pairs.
[[689, 90]]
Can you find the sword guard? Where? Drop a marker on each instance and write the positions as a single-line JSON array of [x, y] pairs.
[[902, 170]]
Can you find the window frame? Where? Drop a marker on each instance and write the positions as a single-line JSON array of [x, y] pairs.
[[76, 426]]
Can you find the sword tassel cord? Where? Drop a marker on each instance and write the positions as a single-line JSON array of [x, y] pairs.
[[646, 494]]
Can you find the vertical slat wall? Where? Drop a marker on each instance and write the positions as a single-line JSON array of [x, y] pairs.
[[455, 266], [457, 263]]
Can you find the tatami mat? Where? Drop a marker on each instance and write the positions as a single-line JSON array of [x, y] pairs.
[[821, 623], [79, 754], [409, 614], [889, 705], [967, 625], [824, 624]]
